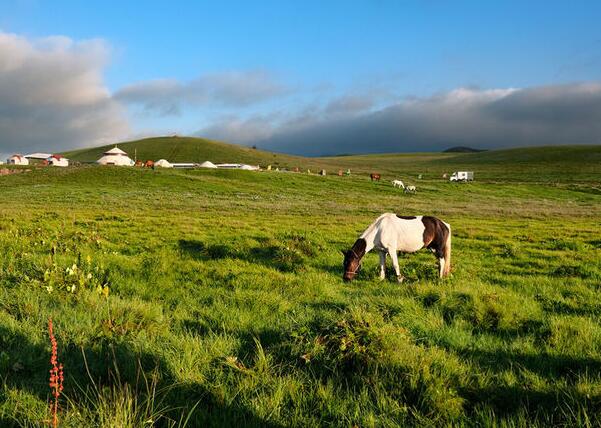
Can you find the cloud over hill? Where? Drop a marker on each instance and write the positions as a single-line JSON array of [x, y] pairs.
[[561, 114]]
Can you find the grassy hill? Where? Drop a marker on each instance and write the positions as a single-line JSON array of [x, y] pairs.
[[217, 294], [185, 149], [531, 164]]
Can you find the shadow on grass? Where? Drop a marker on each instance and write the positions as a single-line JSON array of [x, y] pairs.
[[109, 363], [552, 367], [543, 408], [567, 308], [280, 257]]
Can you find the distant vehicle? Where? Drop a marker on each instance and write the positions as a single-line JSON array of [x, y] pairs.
[[462, 176]]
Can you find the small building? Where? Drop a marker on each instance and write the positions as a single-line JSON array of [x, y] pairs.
[[250, 167], [208, 164], [163, 163], [237, 166], [17, 160], [115, 156], [58, 160], [38, 158]]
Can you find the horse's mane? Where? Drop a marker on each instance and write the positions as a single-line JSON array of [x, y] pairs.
[[359, 247]]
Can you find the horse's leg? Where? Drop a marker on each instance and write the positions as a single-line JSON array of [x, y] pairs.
[[395, 263], [441, 266], [382, 265]]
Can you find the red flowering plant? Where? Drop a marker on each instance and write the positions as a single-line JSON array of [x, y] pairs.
[[56, 376]]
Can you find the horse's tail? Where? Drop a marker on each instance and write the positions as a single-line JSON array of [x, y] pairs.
[[447, 253]]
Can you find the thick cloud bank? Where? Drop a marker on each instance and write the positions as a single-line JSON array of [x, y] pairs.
[[52, 96], [563, 114]]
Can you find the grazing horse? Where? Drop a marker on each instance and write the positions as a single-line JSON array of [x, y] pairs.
[[398, 183], [374, 177], [391, 233], [410, 189]]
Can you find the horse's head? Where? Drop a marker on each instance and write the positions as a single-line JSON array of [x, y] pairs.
[[351, 264]]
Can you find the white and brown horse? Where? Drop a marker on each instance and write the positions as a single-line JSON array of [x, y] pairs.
[[391, 233]]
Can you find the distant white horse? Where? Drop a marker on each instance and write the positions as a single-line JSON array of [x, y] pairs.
[[391, 233], [398, 183], [410, 189]]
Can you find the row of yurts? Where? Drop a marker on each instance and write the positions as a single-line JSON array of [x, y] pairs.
[[116, 156]]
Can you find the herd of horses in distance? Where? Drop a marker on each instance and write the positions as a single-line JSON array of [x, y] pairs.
[[395, 183]]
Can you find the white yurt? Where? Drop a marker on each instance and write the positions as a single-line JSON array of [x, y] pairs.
[[249, 167], [17, 160], [207, 164], [163, 164], [115, 156], [58, 160]]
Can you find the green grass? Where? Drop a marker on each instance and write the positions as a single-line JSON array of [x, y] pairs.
[[217, 295]]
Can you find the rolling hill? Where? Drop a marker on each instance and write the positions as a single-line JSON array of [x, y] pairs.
[[185, 149], [548, 163]]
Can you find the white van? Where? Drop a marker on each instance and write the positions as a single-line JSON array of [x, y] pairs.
[[462, 176]]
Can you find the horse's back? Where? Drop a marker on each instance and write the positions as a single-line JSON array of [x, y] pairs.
[[403, 233]]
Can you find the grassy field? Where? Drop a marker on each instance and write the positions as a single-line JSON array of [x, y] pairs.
[[560, 164], [214, 298]]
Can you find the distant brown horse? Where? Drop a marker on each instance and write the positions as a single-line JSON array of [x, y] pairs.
[[149, 164], [374, 177]]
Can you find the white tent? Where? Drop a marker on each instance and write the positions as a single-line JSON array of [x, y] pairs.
[[17, 160], [208, 164], [238, 166], [58, 160], [249, 167], [163, 164], [115, 156]]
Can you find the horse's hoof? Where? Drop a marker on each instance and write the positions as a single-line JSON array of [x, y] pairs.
[[400, 278]]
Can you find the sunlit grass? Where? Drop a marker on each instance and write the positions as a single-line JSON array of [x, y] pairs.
[[224, 289]]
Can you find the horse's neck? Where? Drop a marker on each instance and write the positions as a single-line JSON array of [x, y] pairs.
[[369, 237]]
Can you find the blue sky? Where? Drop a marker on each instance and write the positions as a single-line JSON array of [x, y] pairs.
[[313, 54]]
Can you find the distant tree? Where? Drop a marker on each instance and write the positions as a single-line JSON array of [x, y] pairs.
[[254, 147]]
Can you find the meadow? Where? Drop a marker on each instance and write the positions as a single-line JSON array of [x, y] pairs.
[[215, 298]]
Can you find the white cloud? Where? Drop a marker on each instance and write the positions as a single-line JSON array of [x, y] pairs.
[[53, 96]]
